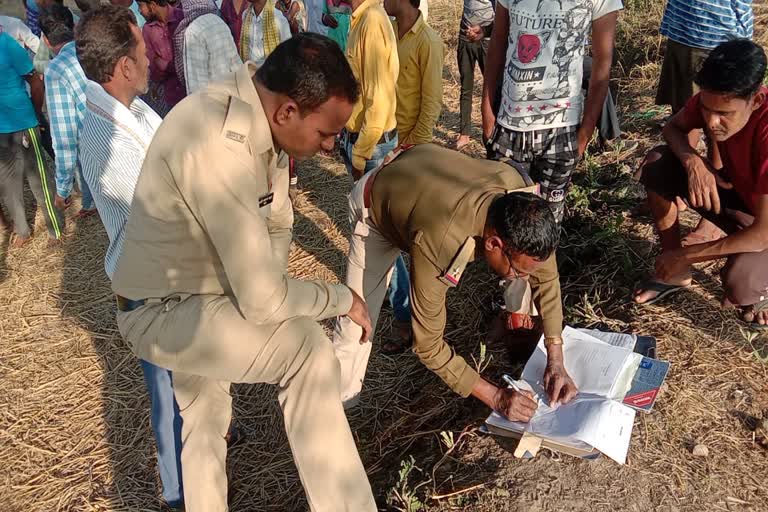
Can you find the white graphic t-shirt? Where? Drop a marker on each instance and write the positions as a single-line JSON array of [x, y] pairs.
[[542, 77]]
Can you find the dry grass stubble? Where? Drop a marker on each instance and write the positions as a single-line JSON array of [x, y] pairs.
[[74, 426]]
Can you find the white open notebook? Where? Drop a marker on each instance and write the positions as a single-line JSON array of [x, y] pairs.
[[603, 373]]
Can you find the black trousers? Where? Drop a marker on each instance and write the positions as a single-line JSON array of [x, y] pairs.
[[467, 55]]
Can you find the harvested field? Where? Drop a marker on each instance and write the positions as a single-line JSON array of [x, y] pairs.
[[74, 417]]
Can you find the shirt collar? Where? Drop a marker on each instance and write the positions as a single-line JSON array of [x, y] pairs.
[[175, 16], [415, 29], [255, 16], [419, 25], [261, 134], [68, 49], [103, 104]]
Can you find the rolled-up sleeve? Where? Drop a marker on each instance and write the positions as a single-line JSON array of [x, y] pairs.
[[428, 320], [227, 206], [545, 283]]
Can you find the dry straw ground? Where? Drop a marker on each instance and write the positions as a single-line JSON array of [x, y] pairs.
[[74, 427]]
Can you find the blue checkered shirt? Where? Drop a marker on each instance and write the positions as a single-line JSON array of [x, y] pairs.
[[65, 99]]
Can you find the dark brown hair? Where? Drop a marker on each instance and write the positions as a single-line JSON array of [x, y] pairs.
[[310, 69], [57, 24], [103, 37]]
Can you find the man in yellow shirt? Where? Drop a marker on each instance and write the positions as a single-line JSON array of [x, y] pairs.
[[371, 132], [420, 82]]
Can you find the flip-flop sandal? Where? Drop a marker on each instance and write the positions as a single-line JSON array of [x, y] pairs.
[[756, 308], [663, 289]]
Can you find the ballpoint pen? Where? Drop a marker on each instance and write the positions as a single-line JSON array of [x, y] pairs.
[[511, 383]]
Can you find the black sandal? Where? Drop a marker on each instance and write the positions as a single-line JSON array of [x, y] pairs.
[[663, 289]]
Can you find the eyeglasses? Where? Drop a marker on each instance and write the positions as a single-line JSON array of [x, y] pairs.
[[512, 273]]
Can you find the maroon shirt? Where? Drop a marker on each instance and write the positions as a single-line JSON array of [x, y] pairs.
[[744, 154], [157, 37], [234, 19]]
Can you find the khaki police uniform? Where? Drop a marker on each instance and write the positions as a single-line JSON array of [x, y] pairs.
[[206, 247], [433, 203]]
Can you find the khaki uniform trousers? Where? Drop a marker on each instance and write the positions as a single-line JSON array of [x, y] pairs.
[[369, 269], [207, 344]]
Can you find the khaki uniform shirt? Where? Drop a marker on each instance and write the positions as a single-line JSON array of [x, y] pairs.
[[430, 201], [211, 213]]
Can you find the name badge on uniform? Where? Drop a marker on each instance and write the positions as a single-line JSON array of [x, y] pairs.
[[237, 137], [266, 199], [455, 270]]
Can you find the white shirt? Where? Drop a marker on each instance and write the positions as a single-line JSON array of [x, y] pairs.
[[209, 52], [113, 143], [20, 32], [545, 55], [257, 34]]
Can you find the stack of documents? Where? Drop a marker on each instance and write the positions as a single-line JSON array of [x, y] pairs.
[[607, 372]]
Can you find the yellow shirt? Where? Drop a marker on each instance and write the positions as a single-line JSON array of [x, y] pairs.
[[372, 54], [420, 83]]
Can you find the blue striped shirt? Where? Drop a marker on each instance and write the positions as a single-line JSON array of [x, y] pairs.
[[707, 23], [113, 143]]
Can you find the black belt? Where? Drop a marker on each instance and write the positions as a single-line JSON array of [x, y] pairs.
[[127, 305], [523, 169], [385, 137]]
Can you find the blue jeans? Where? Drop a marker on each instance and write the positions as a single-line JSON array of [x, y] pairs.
[[399, 290], [166, 424], [399, 285], [377, 157], [85, 191]]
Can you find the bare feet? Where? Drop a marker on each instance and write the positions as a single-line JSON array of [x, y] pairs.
[[462, 142], [751, 316], [653, 290], [705, 232]]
